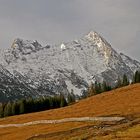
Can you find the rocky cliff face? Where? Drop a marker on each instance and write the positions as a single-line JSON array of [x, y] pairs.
[[57, 69]]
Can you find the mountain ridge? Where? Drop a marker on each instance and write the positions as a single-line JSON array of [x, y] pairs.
[[60, 68]]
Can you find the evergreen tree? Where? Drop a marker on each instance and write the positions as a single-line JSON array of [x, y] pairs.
[[104, 86], [125, 80], [137, 77], [71, 97], [40, 103], [91, 90], [51, 103], [1, 110], [29, 105], [63, 101], [14, 108], [119, 83], [109, 88], [47, 103], [8, 109], [98, 88], [22, 106]]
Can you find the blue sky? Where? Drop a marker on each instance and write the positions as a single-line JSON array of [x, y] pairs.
[[56, 21]]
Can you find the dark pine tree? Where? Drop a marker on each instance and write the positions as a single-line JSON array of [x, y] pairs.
[[104, 86], [119, 83], [125, 81], [8, 110], [1, 110], [91, 90], [22, 106], [71, 97], [63, 101], [98, 88], [137, 77], [14, 108]]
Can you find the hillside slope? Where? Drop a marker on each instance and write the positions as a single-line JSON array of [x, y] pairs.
[[120, 102]]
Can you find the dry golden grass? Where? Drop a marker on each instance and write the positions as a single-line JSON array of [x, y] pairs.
[[23, 133], [132, 133], [121, 102]]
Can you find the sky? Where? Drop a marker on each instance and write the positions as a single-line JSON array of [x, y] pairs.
[[57, 21]]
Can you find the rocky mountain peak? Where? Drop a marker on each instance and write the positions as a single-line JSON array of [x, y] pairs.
[[103, 47], [97, 39], [25, 46], [93, 35]]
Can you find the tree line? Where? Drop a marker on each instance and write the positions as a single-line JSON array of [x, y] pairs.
[[33, 105], [98, 88]]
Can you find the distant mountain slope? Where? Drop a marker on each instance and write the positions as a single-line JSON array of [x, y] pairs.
[[11, 88], [58, 69]]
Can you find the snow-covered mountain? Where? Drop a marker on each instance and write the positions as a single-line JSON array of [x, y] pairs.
[[57, 69]]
